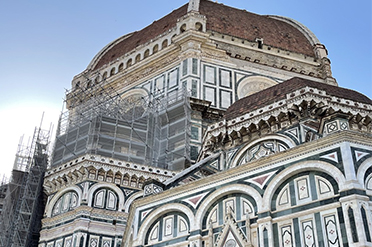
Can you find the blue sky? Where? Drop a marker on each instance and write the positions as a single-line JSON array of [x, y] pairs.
[[44, 43]]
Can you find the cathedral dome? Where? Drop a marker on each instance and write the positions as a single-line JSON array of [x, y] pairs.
[[275, 31], [282, 90]]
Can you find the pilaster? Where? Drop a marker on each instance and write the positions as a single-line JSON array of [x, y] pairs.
[[265, 230]]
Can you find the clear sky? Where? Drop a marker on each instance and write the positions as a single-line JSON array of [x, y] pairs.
[[44, 43]]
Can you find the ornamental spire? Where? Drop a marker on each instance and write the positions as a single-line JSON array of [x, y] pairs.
[[193, 6]]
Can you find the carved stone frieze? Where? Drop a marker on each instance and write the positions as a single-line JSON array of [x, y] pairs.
[[305, 103], [83, 211], [97, 168]]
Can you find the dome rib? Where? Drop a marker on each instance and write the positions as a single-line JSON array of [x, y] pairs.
[[302, 28]]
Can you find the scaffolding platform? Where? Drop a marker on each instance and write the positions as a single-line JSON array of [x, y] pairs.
[[24, 200], [149, 130]]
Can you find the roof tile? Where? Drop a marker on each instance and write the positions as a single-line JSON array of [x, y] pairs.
[[279, 92], [222, 19]]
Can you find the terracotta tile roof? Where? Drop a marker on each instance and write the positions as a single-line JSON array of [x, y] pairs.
[[143, 36], [222, 19], [249, 26], [280, 91]]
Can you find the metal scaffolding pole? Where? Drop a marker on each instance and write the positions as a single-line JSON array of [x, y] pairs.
[[152, 129], [24, 202]]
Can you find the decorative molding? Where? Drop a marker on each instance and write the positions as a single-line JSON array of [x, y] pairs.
[[301, 104], [81, 170]]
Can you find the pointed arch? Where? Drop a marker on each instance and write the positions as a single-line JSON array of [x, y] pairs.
[[155, 214], [219, 193], [58, 195], [131, 198], [110, 186], [362, 170], [285, 141]]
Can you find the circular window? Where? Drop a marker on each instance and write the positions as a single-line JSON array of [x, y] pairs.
[[230, 243], [133, 104]]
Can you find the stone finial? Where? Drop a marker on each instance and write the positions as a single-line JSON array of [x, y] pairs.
[[193, 6], [210, 234]]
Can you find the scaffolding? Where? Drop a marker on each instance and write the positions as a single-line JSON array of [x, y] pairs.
[[24, 202], [3, 189], [152, 130]]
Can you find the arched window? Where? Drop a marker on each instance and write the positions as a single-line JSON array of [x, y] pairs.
[[199, 26], [354, 231], [121, 67], [155, 49], [164, 44], [365, 224], [183, 28], [105, 199], [112, 72], [104, 76], [129, 63], [65, 203], [138, 58], [146, 54]]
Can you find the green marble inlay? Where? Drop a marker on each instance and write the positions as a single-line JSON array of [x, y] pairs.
[[296, 228], [319, 230]]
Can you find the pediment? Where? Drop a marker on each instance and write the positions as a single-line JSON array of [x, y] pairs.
[[231, 235], [229, 240]]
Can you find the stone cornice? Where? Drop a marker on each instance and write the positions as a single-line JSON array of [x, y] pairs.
[[84, 211], [318, 97], [252, 46], [76, 171], [274, 58]]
